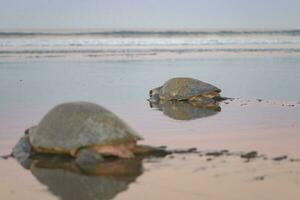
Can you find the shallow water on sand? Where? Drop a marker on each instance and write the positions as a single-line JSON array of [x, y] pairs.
[[29, 89]]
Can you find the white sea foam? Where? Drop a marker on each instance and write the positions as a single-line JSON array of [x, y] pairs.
[[51, 42], [148, 42]]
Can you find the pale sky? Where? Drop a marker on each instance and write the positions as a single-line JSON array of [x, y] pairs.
[[161, 14]]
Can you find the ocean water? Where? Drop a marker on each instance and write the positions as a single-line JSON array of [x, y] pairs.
[[103, 44]]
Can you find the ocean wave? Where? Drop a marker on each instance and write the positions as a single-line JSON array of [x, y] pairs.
[[134, 33], [128, 51], [146, 42]]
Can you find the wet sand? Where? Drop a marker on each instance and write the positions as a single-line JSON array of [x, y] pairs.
[[191, 177], [269, 127]]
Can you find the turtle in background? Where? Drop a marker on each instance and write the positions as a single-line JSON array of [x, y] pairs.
[[189, 90], [85, 131]]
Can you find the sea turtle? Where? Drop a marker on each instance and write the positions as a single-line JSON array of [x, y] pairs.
[[186, 89], [83, 130]]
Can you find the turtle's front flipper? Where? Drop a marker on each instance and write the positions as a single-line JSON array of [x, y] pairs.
[[22, 151], [145, 150], [88, 156]]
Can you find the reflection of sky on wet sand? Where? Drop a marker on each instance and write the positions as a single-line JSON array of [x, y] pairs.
[[266, 126], [123, 86]]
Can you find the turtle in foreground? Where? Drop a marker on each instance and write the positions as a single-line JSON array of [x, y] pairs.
[[83, 130], [187, 89]]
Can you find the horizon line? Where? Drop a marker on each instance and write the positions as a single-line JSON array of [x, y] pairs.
[[146, 29]]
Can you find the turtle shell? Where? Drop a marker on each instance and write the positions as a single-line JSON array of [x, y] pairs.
[[185, 88], [70, 126]]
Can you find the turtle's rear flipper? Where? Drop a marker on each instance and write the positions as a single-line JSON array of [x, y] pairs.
[[221, 98], [145, 150]]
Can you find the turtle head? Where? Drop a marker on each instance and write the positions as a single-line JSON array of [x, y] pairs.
[[154, 94], [30, 130]]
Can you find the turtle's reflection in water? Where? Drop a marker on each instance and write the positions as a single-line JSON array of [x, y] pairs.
[[65, 179], [184, 110]]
